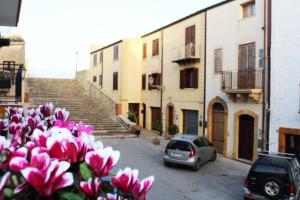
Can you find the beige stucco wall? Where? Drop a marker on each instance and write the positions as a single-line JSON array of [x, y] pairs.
[[174, 39], [227, 30], [128, 68]]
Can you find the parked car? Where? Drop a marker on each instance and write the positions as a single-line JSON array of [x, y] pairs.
[[189, 150], [273, 176]]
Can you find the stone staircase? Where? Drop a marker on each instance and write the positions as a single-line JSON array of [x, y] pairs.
[[69, 94]]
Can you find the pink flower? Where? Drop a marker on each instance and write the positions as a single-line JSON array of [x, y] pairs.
[[46, 109], [52, 178], [102, 160], [14, 128], [61, 114], [16, 118], [109, 197], [18, 159], [81, 128], [4, 143], [125, 180], [12, 111], [3, 127], [4, 179], [35, 122], [141, 188], [65, 124], [91, 187]]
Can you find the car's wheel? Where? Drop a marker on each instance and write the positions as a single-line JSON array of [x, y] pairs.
[[272, 188], [167, 164], [196, 167], [214, 156]]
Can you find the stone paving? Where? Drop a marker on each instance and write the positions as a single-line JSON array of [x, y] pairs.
[[222, 179]]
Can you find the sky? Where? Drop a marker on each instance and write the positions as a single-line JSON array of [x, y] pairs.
[[54, 30]]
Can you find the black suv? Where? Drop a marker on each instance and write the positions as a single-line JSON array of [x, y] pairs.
[[273, 176]]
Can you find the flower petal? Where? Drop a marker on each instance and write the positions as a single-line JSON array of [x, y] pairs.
[[4, 179]]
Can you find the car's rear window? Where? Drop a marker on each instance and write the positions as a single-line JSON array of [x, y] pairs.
[[179, 145], [260, 168]]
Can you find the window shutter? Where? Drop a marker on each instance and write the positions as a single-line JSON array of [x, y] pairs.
[[149, 87], [158, 79], [195, 78], [144, 82], [182, 79], [192, 40], [187, 36], [251, 56], [145, 50]]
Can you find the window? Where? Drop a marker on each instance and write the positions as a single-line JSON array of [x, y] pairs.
[[94, 79], [179, 145], [115, 81], [190, 41], [100, 80], [95, 59], [189, 78], [144, 82], [8, 65], [248, 9], [247, 56], [205, 142], [144, 50], [156, 81], [101, 56], [218, 60], [198, 143], [116, 52], [155, 47]]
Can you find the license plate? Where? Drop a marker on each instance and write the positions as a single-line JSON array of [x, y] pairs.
[[176, 155]]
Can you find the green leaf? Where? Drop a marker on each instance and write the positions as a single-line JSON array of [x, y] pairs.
[[8, 192], [85, 171], [69, 196]]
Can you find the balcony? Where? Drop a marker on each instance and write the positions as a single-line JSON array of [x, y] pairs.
[[242, 84], [186, 55], [11, 77]]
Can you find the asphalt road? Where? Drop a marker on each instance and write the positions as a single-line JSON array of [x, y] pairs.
[[221, 179]]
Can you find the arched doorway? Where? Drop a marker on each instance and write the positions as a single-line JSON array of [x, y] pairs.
[[169, 116], [218, 121], [217, 124], [246, 137]]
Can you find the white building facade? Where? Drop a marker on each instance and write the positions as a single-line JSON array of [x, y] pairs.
[[234, 53], [284, 132]]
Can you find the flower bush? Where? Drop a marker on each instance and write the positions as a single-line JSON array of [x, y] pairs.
[[47, 156]]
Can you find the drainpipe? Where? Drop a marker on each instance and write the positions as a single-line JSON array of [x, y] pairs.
[[204, 97], [161, 79], [267, 74], [102, 53]]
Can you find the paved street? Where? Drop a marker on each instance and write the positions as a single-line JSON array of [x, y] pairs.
[[222, 179]]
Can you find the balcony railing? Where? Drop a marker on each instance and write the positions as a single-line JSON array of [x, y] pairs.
[[186, 54], [11, 82], [245, 79]]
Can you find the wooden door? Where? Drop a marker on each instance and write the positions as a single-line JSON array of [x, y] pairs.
[[170, 116], [246, 137], [246, 71], [190, 122], [218, 131], [155, 119]]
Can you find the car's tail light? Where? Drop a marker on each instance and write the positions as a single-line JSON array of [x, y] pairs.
[[246, 182], [166, 151], [292, 190], [192, 152]]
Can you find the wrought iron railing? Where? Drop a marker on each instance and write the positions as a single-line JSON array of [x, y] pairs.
[[242, 79], [186, 51], [11, 82]]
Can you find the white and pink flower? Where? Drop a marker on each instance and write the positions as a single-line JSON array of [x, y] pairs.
[[91, 187], [102, 160]]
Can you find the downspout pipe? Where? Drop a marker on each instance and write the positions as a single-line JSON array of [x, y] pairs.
[[161, 80], [204, 93]]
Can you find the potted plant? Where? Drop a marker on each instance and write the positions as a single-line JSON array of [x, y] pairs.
[[173, 130]]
